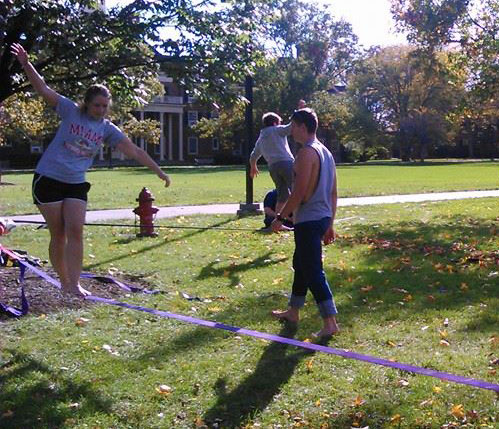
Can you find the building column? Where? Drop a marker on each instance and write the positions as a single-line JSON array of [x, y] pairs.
[[101, 153], [142, 138], [162, 137], [122, 155], [170, 137], [180, 137]]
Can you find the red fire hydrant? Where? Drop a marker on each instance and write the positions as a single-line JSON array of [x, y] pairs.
[[146, 212]]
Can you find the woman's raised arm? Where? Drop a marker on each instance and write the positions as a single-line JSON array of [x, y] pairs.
[[47, 93]]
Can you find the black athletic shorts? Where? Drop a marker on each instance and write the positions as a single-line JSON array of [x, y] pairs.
[[46, 190]]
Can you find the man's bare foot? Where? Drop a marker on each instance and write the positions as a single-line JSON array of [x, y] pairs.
[[77, 291], [329, 329], [325, 334], [290, 315], [285, 228]]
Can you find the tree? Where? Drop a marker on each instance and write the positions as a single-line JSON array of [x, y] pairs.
[[307, 50], [73, 43], [227, 127], [25, 119], [471, 26], [406, 97], [470, 29]]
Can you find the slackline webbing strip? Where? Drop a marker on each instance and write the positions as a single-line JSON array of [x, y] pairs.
[[270, 337]]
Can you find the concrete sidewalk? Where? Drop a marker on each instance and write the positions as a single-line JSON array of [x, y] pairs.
[[166, 212]]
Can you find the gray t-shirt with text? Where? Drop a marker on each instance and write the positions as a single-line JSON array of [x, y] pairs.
[[78, 139]]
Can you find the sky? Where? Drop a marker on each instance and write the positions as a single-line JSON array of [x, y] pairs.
[[371, 19]]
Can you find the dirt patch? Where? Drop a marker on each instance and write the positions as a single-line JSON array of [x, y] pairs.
[[44, 298]]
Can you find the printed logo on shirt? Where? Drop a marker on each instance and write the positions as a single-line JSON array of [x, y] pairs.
[[87, 145]]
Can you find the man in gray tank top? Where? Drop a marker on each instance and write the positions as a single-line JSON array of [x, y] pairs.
[[312, 202]]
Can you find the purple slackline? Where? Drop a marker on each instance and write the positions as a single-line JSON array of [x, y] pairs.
[[270, 337], [14, 311], [124, 286]]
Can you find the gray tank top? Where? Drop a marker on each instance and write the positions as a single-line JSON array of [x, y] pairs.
[[319, 205]]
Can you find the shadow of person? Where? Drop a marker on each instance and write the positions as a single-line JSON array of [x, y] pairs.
[[274, 369]]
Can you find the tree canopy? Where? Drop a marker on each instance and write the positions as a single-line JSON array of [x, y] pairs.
[[74, 43]]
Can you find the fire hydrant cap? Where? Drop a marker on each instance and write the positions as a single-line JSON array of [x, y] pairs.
[[145, 195]]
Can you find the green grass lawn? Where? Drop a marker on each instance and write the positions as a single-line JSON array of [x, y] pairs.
[[397, 272], [120, 187]]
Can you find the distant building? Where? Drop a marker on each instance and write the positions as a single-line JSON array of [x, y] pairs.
[[177, 113]]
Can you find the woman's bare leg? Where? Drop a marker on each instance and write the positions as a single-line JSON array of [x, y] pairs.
[[52, 213], [74, 217]]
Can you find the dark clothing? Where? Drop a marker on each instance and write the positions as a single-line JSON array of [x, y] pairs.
[[270, 201], [46, 190], [307, 263]]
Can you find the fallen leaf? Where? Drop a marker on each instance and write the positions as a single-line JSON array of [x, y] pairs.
[[396, 419], [457, 411], [199, 422], [437, 389], [443, 334], [472, 415], [403, 383], [444, 343], [494, 341], [358, 401], [407, 298], [163, 389], [310, 365], [81, 321], [367, 288]]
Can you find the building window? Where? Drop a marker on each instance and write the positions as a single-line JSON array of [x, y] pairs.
[[192, 145], [215, 144], [192, 117], [237, 150], [214, 114], [157, 149], [191, 100]]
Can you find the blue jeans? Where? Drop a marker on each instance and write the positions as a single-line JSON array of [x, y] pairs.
[[307, 263]]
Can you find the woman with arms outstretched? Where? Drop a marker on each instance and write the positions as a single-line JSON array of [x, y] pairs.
[[59, 186]]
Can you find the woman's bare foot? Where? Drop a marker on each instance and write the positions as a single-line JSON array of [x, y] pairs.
[[77, 291], [290, 315]]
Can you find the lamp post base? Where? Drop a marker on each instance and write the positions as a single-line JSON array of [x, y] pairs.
[[252, 209]]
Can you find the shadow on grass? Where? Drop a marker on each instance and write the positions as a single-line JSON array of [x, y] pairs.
[[153, 246], [46, 398], [416, 268], [275, 367], [405, 284], [232, 271]]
